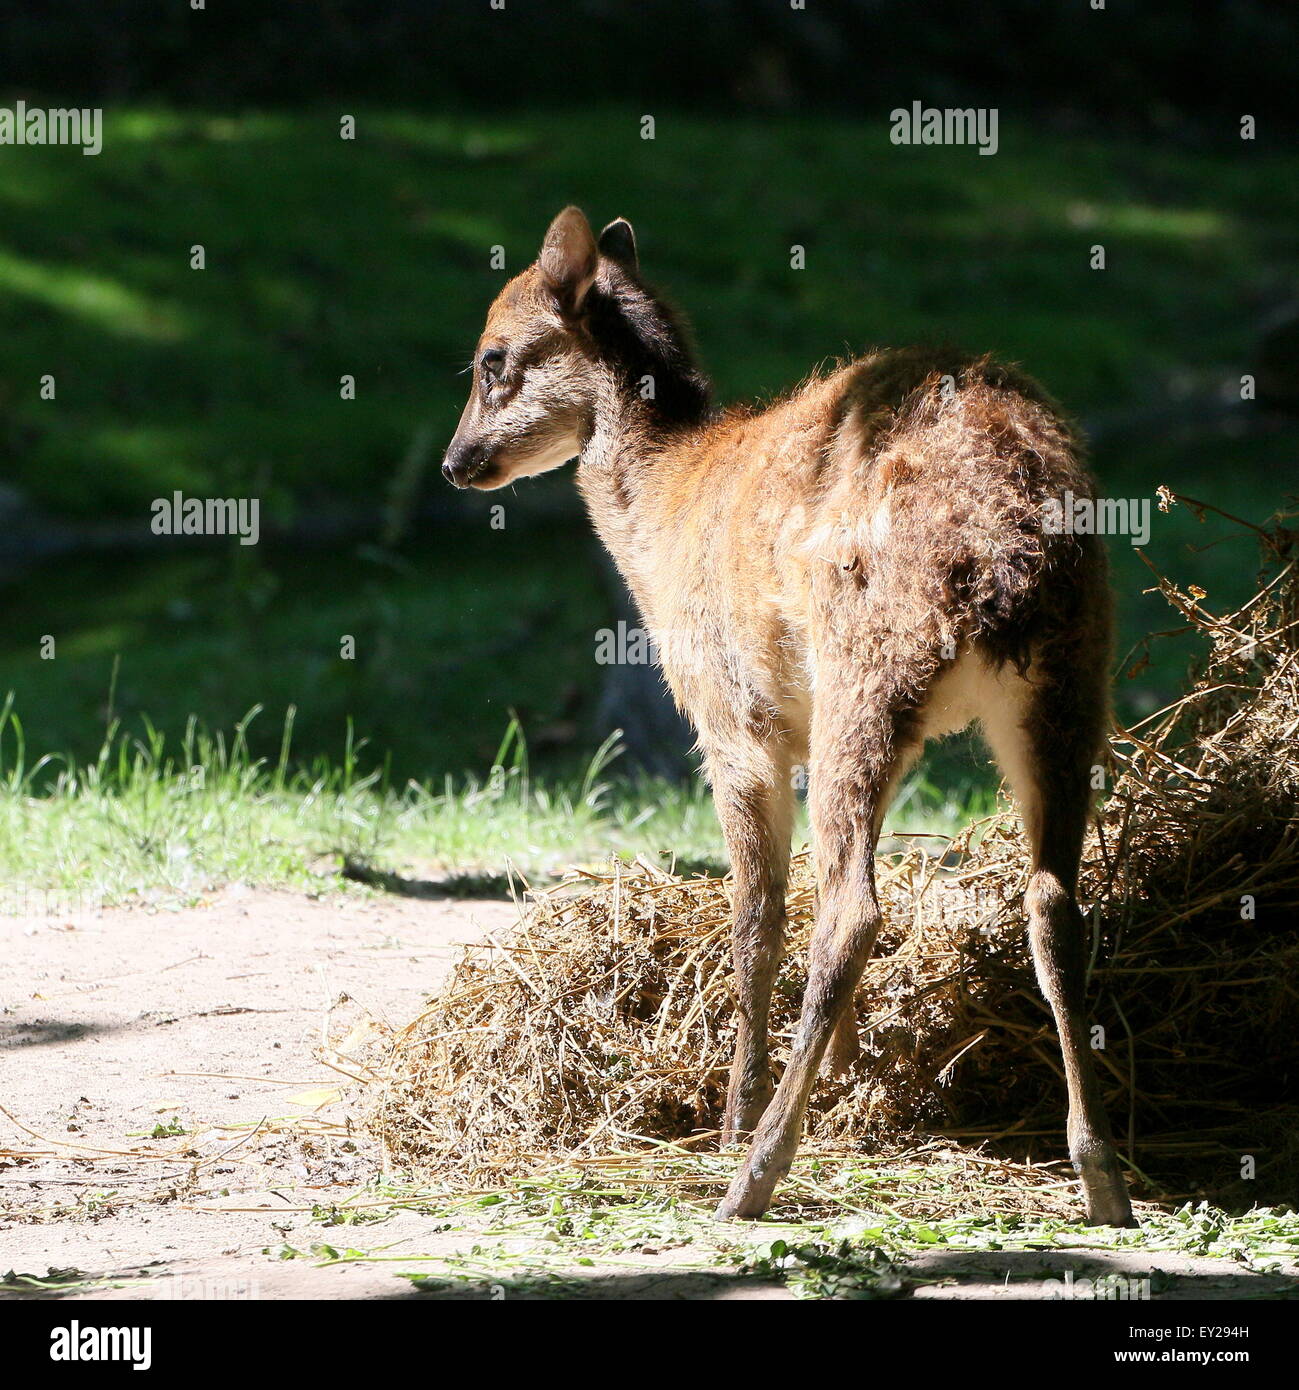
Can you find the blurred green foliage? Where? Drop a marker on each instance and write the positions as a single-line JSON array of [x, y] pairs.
[[370, 257]]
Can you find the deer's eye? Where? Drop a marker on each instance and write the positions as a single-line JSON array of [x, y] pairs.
[[492, 363]]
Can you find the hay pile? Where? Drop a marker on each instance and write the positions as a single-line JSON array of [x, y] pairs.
[[606, 1018]]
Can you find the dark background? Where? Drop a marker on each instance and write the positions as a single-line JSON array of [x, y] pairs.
[[371, 257], [1125, 67]]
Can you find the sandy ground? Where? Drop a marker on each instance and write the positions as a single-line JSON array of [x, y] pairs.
[[117, 1022]]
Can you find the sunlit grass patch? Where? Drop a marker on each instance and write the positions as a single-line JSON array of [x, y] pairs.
[[844, 1226], [107, 304], [156, 821]]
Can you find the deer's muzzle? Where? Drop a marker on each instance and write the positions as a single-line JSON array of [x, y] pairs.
[[463, 462]]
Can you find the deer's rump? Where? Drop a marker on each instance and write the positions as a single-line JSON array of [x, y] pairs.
[[955, 490]]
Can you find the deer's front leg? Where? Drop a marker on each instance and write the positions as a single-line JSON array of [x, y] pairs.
[[756, 811], [859, 750]]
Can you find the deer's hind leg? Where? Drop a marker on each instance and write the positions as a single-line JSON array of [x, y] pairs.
[[754, 796], [864, 732], [1046, 733]]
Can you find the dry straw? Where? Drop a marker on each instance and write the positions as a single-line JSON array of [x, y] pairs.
[[608, 1012]]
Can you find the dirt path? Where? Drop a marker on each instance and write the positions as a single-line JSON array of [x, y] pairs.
[[115, 1023]]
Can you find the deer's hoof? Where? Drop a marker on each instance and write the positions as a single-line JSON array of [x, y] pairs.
[[1110, 1209], [750, 1193], [1105, 1191], [742, 1208]]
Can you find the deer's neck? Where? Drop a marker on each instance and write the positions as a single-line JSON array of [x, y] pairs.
[[647, 398], [625, 474]]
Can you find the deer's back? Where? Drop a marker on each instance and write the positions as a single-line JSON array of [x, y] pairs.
[[900, 499]]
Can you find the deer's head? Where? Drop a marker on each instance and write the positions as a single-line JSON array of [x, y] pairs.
[[532, 403]]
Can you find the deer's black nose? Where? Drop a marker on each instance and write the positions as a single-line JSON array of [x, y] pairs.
[[462, 461]]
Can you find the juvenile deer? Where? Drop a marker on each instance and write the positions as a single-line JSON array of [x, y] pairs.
[[830, 581]]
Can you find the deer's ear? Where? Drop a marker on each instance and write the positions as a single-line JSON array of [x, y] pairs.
[[568, 260], [618, 242]]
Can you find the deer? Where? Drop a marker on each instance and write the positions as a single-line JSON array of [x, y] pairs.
[[829, 581]]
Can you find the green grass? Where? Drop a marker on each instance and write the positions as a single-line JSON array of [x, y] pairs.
[[371, 257], [447, 644], [152, 823], [157, 818], [829, 1237]]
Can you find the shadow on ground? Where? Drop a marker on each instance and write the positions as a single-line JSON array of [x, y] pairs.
[[1118, 1276], [472, 885]]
